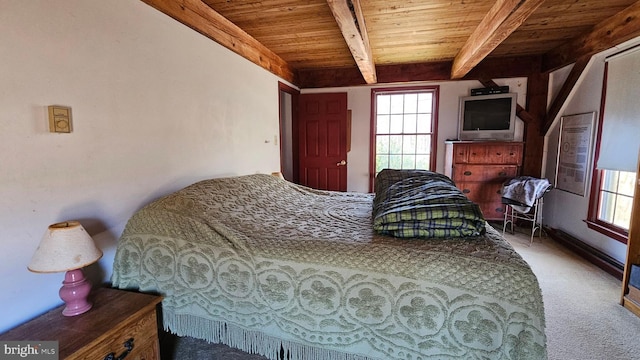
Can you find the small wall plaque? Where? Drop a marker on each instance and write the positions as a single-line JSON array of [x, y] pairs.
[[60, 119]]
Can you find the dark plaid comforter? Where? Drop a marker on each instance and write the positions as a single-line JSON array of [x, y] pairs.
[[420, 203]]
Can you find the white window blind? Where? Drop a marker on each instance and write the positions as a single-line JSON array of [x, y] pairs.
[[620, 139]]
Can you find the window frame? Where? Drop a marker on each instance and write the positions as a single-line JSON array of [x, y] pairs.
[[435, 90], [593, 223]]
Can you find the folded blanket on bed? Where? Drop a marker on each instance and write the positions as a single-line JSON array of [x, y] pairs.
[[421, 203]]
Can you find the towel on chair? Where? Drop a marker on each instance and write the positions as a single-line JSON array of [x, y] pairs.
[[522, 192]]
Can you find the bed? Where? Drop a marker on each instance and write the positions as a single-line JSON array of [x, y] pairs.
[[270, 267]]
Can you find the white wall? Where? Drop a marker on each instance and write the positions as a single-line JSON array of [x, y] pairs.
[[155, 106], [359, 101], [564, 210]]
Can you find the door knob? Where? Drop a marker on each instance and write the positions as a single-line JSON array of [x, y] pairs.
[[342, 163]]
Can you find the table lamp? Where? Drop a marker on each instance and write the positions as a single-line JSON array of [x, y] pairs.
[[67, 246]]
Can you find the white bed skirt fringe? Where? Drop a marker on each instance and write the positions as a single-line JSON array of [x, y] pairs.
[[249, 341]]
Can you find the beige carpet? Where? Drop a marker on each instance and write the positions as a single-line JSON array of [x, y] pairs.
[[584, 318]]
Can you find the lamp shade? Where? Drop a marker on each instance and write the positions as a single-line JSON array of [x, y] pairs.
[[64, 246]]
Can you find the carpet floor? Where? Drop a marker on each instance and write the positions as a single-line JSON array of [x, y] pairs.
[[584, 318]]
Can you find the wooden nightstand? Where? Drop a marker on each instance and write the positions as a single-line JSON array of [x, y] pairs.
[[117, 317]]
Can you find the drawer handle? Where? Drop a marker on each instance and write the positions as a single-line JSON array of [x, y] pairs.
[[498, 154], [502, 173], [466, 191], [128, 345], [467, 173]]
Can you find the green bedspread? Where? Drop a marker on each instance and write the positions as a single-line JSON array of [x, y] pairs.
[[421, 203], [261, 264]]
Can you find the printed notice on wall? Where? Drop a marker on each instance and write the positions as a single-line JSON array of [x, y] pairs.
[[574, 152]]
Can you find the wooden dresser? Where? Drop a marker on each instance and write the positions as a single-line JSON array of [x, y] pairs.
[[480, 168], [119, 320]]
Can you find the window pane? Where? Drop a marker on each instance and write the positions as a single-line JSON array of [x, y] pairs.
[[408, 161], [383, 104], [423, 144], [382, 144], [627, 182], [382, 124], [396, 124], [397, 104], [382, 162], [622, 215], [409, 144], [425, 103], [424, 123], [423, 162], [409, 123], [609, 180], [395, 161], [410, 103], [607, 207], [395, 144], [616, 197]]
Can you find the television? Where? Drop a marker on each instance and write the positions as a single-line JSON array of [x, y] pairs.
[[488, 117]]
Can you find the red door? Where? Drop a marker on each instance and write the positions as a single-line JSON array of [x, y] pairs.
[[323, 141]]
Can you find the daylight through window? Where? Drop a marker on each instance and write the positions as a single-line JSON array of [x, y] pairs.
[[616, 197], [404, 129]]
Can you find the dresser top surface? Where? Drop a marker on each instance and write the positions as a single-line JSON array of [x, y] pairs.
[[110, 308]]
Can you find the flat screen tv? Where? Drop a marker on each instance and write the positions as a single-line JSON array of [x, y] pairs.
[[488, 117]]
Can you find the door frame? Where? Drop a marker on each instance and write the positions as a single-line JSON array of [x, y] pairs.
[[293, 139]]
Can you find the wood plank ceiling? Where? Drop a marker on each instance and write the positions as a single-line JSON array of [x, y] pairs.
[[323, 43]]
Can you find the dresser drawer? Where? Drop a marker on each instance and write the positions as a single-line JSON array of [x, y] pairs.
[[491, 173], [480, 191], [461, 154], [494, 154], [140, 332], [492, 210]]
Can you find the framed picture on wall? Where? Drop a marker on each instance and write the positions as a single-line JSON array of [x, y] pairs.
[[574, 152]]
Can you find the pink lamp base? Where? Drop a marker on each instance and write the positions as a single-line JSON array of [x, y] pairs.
[[74, 291]]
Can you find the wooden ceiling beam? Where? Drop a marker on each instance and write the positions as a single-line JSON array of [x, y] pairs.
[[504, 17], [611, 32], [565, 91], [203, 19], [354, 31], [491, 68]]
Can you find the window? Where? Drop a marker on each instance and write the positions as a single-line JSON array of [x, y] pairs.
[[616, 198], [403, 127], [611, 203], [614, 176]]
